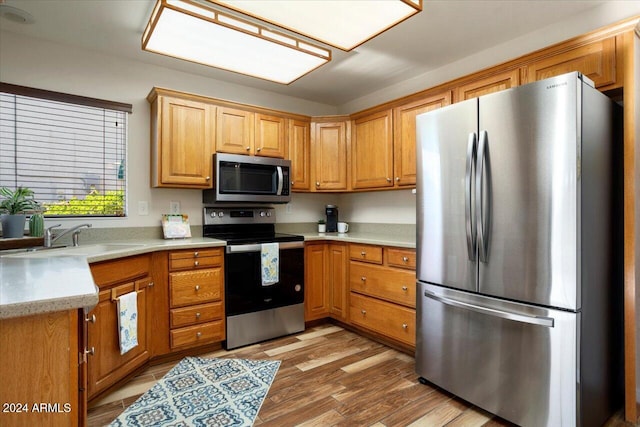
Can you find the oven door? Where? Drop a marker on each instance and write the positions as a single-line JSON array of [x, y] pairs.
[[244, 292]]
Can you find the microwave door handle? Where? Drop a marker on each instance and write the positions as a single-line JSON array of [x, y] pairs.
[[280, 180]]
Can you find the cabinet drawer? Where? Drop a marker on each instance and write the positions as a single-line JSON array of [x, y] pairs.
[[195, 259], [366, 253], [387, 283], [403, 258], [197, 335], [196, 314], [388, 319], [195, 287]]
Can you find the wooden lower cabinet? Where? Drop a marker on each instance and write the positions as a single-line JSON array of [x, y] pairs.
[[316, 291], [196, 289], [106, 365], [338, 280], [39, 367], [391, 320]]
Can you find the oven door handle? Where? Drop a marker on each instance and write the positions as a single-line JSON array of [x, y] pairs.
[[235, 249]]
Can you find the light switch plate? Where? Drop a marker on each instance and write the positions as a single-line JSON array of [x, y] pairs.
[[174, 207], [143, 207]]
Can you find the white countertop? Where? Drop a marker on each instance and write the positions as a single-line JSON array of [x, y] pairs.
[[380, 239]]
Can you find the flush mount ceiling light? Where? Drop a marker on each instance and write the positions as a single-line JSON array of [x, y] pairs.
[[344, 24], [198, 33]]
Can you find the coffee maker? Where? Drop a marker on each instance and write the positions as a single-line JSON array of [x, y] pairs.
[[332, 218]]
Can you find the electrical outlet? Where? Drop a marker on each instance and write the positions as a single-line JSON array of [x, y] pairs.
[[143, 208], [174, 207]]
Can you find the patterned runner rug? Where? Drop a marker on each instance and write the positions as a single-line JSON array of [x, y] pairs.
[[204, 392]]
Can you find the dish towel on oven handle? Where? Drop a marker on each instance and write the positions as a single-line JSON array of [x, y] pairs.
[[128, 321], [270, 263]]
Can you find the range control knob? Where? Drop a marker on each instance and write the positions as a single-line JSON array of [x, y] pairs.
[[220, 214], [268, 213], [213, 214], [262, 213]]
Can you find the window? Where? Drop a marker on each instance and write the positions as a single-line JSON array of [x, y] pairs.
[[70, 150]]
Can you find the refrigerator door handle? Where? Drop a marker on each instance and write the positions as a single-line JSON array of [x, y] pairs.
[[468, 200], [516, 317], [483, 238]]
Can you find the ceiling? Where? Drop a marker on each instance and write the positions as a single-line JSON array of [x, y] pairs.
[[442, 33]]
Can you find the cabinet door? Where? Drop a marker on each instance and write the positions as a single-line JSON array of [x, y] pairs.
[[487, 85], [596, 60], [316, 295], [299, 147], [187, 129], [329, 154], [106, 365], [338, 290], [234, 131], [270, 136], [372, 151], [404, 136]]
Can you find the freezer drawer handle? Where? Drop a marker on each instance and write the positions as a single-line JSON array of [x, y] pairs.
[[522, 318]]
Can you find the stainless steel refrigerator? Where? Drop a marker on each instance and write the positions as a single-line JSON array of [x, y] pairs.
[[518, 292]]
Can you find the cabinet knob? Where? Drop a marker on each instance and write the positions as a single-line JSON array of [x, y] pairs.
[[151, 285], [196, 254], [405, 326], [91, 351], [388, 179], [247, 148], [363, 278], [363, 253], [197, 287], [259, 149], [292, 182], [363, 312], [91, 318], [196, 263], [404, 288], [405, 259], [317, 183], [198, 334], [397, 179], [207, 178], [198, 315]]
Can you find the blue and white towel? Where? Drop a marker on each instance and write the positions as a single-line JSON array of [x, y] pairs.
[[128, 321], [270, 255]]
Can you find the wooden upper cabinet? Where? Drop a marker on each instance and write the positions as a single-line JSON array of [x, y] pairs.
[[329, 155], [183, 134], [299, 150], [596, 60], [234, 131], [270, 136], [404, 142], [372, 151], [486, 85]]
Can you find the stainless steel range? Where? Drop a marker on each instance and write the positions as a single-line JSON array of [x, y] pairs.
[[257, 310]]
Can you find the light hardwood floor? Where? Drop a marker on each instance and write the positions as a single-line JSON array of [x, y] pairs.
[[330, 377]]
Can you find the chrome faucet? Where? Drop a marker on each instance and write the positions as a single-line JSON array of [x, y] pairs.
[[49, 239]]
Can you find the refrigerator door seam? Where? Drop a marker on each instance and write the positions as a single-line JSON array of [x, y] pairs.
[[516, 317]]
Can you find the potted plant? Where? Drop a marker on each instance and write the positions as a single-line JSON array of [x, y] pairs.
[[13, 207], [322, 226]]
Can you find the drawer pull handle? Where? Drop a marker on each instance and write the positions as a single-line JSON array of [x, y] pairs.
[[405, 326], [196, 263], [196, 254], [405, 259], [364, 312], [198, 334], [404, 288], [151, 285], [317, 183], [197, 315], [363, 253], [363, 278], [197, 287], [92, 351], [91, 318]]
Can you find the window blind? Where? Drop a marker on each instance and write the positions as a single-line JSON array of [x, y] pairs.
[[73, 156]]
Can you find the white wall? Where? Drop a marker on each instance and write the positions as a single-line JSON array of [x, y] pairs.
[[61, 68]]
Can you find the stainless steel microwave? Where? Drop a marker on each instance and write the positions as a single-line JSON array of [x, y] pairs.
[[238, 178]]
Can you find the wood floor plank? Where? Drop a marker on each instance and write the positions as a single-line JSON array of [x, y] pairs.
[[369, 361], [472, 417], [328, 418], [441, 415]]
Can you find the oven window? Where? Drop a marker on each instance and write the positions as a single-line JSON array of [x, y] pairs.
[[241, 178]]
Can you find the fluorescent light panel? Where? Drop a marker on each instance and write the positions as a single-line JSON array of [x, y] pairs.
[[196, 33], [344, 24]]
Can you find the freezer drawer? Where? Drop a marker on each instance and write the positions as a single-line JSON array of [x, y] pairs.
[[514, 360]]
